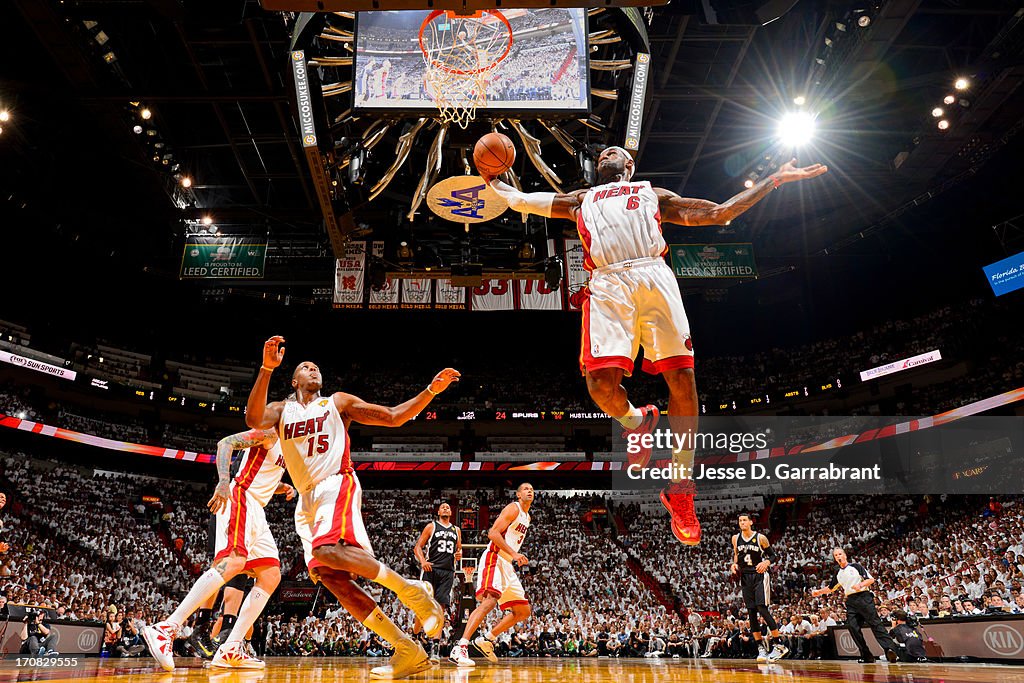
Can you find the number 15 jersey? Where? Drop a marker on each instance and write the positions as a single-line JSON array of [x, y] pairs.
[[314, 441]]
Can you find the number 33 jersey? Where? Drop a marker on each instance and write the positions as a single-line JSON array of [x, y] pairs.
[[314, 441], [620, 222]]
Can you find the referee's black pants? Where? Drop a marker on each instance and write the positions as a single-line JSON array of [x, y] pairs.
[[860, 612]]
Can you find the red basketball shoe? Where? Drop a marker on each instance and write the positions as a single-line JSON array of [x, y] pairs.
[[649, 420], [678, 500]]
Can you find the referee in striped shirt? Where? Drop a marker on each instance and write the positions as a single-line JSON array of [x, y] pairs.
[[860, 607]]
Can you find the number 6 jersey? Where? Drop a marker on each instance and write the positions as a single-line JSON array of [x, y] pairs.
[[314, 441]]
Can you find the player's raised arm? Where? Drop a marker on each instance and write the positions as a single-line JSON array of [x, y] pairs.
[[227, 446], [421, 543], [686, 211], [547, 204], [496, 534], [259, 415], [357, 410]]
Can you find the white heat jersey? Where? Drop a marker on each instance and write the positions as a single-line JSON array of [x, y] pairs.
[[620, 222], [515, 533], [314, 441], [260, 472]]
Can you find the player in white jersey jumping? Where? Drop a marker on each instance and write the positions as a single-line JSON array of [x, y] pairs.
[[314, 439], [244, 543], [497, 584], [634, 298]]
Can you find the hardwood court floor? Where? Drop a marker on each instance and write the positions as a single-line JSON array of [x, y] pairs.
[[302, 670]]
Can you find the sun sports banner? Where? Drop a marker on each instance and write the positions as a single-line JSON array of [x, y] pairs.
[[349, 276], [226, 258], [713, 260]]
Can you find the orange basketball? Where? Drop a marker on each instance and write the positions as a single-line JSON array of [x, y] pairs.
[[494, 154]]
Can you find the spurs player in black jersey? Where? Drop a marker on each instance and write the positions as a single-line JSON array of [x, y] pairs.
[[751, 557], [437, 550], [634, 297]]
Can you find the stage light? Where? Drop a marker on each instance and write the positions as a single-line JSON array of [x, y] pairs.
[[948, 99], [5, 116], [962, 83], [864, 21], [796, 129], [748, 183], [840, 26], [137, 130], [186, 181], [799, 100], [943, 124], [937, 112], [1, 130], [146, 114], [207, 220]]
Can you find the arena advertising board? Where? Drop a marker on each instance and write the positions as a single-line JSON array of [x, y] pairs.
[[1000, 638], [225, 258], [37, 365], [546, 69], [901, 365], [1007, 275], [701, 261]]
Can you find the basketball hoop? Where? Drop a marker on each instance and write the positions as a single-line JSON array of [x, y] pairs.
[[460, 52]]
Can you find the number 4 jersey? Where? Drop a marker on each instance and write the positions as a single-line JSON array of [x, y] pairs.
[[314, 441]]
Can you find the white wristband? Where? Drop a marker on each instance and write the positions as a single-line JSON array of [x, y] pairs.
[[538, 203]]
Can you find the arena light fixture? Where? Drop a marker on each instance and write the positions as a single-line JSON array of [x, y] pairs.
[[948, 99], [186, 181], [799, 100], [937, 112], [796, 129], [748, 183], [5, 115], [146, 114], [207, 220], [864, 21], [943, 124], [962, 83], [137, 130]]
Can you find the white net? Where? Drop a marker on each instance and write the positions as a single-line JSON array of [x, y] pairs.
[[461, 53]]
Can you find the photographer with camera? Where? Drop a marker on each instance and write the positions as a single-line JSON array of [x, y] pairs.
[[36, 636], [909, 636]]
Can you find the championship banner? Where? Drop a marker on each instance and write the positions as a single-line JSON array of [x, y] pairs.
[[232, 258], [417, 293], [536, 295], [494, 295], [576, 276], [713, 260], [450, 298], [386, 298], [38, 366], [349, 276]]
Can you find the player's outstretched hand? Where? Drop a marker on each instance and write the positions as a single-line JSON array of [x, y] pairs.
[[219, 501], [818, 591], [443, 379], [273, 352], [789, 172]]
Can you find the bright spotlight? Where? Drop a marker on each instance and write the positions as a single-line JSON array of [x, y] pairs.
[[137, 130], [864, 21], [5, 116], [207, 220], [799, 100], [146, 114], [943, 124], [961, 83], [186, 182], [948, 99], [796, 129], [748, 183], [937, 112]]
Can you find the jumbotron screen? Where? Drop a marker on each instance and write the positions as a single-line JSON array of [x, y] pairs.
[[546, 68]]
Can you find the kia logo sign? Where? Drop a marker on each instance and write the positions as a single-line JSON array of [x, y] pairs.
[[87, 641], [1003, 640], [846, 642]]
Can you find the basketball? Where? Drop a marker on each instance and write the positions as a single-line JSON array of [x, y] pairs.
[[494, 154]]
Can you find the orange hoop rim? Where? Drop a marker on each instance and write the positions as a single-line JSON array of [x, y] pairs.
[[463, 72]]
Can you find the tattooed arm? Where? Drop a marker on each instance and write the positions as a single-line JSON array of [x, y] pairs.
[[355, 409], [225, 447], [685, 211]]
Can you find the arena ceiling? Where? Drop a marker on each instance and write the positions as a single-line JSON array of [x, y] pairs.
[[215, 77]]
